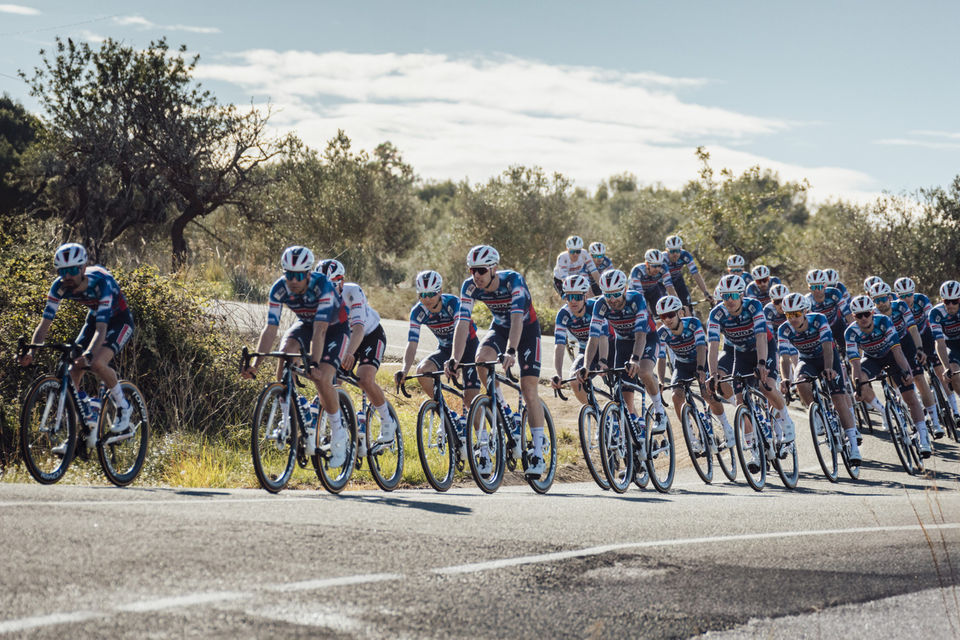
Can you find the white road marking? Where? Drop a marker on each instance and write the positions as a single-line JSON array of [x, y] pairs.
[[13, 626], [310, 585], [188, 600]]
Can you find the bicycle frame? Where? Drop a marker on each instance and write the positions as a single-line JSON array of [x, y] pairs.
[[438, 397]]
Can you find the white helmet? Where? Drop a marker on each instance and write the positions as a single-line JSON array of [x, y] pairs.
[[598, 249], [674, 242], [653, 256], [613, 280], [760, 272], [816, 276], [296, 259], [668, 304], [429, 282], [833, 277], [482, 255], [861, 304], [870, 281], [331, 268], [905, 286], [950, 290], [574, 243], [778, 291], [795, 302], [731, 283], [70, 255], [577, 283], [735, 261], [879, 289]]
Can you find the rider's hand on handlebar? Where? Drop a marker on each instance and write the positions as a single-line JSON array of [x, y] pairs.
[[633, 368], [81, 362], [450, 367], [509, 361], [582, 374], [555, 382], [26, 359], [921, 358], [399, 377], [829, 374], [249, 373]]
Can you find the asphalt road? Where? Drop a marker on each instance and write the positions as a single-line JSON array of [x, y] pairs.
[[875, 558]]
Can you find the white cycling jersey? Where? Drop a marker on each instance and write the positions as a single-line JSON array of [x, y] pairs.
[[567, 266], [359, 310]]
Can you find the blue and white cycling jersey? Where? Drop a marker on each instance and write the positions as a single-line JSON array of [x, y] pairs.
[[684, 345], [921, 308], [832, 306], [943, 325], [511, 296], [874, 344], [902, 317], [605, 263], [774, 318], [808, 343], [579, 328], [675, 267], [633, 318], [753, 291], [744, 275], [319, 302], [441, 324], [641, 280], [741, 330], [102, 296], [844, 294]]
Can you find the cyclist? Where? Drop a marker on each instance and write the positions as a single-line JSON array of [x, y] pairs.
[[438, 311], [874, 335], [759, 289], [945, 325], [687, 340], [514, 332], [573, 320], [869, 281], [107, 328], [321, 326], [829, 302], [833, 280], [573, 261], [675, 259], [808, 335], [920, 305], [773, 312], [651, 278], [636, 341], [736, 265], [598, 252], [741, 322]]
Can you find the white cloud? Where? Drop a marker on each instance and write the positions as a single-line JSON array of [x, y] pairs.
[[473, 117], [142, 23], [19, 10], [926, 139], [90, 36]]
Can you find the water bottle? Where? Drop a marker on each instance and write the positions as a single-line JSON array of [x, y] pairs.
[[314, 412], [516, 435], [310, 429], [90, 405], [362, 433], [707, 422]]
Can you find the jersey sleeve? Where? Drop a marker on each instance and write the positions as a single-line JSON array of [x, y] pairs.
[[641, 323], [784, 346], [354, 299], [467, 291], [687, 257], [667, 279], [852, 339], [326, 304], [520, 299], [635, 282], [759, 320], [936, 328], [908, 316], [53, 301], [275, 303], [826, 335], [105, 300], [560, 270], [699, 336], [598, 320], [560, 328], [713, 325], [413, 335], [890, 334], [844, 304]]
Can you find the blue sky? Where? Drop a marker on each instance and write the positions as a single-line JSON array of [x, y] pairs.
[[857, 97]]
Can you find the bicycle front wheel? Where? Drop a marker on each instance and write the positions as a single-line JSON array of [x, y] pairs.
[[543, 482], [943, 406], [386, 461], [485, 444], [752, 457], [823, 442], [273, 439], [898, 434], [616, 447], [661, 454], [47, 430], [698, 443], [435, 446], [122, 453], [335, 479], [589, 425]]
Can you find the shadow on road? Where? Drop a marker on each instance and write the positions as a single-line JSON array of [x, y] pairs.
[[432, 507]]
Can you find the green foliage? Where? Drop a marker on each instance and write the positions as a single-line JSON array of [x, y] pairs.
[[18, 131]]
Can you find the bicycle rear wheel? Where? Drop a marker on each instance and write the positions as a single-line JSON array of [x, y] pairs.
[[48, 432], [589, 426], [435, 446], [122, 454], [698, 443], [661, 454], [543, 482], [742, 421], [787, 466], [273, 438], [823, 443], [852, 470], [616, 448], [335, 479], [386, 461], [482, 418], [726, 454], [898, 434], [943, 407]]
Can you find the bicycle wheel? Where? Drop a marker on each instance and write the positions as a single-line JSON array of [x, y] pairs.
[[862, 413], [726, 453], [698, 443], [486, 460], [386, 461], [48, 430], [273, 438], [616, 448], [335, 479], [852, 470], [943, 407], [589, 426], [122, 454], [435, 446], [823, 442], [741, 422], [898, 434], [543, 482], [661, 454], [787, 466]]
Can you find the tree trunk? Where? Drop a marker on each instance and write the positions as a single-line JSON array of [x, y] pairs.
[[177, 242]]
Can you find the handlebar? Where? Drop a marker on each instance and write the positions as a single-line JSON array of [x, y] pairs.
[[402, 389], [246, 355]]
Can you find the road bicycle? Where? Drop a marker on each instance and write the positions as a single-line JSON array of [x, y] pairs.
[[903, 432], [384, 460], [588, 424], [285, 434], [441, 441], [508, 437], [702, 440], [626, 446], [55, 423], [861, 412], [829, 440], [947, 419], [754, 412]]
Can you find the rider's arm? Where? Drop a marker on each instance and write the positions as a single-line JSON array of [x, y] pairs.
[[99, 335], [786, 367], [639, 343], [267, 336], [319, 338], [40, 333], [900, 358], [703, 285], [943, 353], [713, 344], [516, 328]]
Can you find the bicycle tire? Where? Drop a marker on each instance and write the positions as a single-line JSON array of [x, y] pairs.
[[788, 467], [944, 409], [435, 446], [335, 479], [122, 456], [36, 443], [661, 453], [273, 445], [899, 436], [616, 448], [588, 424], [823, 443], [727, 458], [852, 470], [758, 479], [386, 462], [483, 414], [542, 483], [695, 436]]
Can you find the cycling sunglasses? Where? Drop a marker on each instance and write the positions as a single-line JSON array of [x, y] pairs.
[[295, 275], [428, 294], [793, 314], [816, 287], [736, 270], [674, 251], [596, 256], [951, 301], [730, 296], [904, 296], [762, 280], [574, 252], [881, 299], [69, 271], [573, 296], [863, 314], [669, 315], [613, 294], [479, 271]]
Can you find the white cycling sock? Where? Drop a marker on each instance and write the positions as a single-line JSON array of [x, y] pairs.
[[875, 404], [952, 399], [731, 399], [724, 421], [852, 437], [934, 415], [117, 394], [657, 401], [537, 435], [336, 424], [383, 412], [922, 430]]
